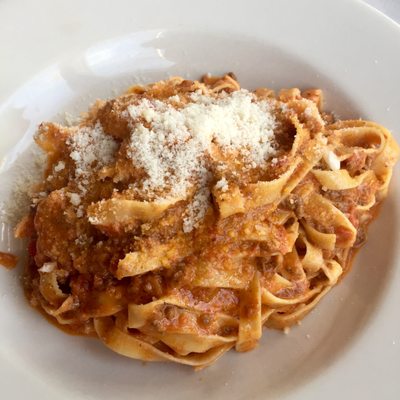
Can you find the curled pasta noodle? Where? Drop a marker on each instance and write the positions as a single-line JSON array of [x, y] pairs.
[[49, 288], [322, 240], [130, 346], [161, 255], [271, 300], [282, 319], [316, 205], [340, 180], [250, 324], [313, 257], [119, 211], [230, 203]]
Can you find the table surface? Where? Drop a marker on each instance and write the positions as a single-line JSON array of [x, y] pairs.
[[389, 7]]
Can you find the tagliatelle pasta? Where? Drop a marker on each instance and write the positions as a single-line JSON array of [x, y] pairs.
[[177, 220]]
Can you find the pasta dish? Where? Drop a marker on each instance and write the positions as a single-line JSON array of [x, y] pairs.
[[175, 221]]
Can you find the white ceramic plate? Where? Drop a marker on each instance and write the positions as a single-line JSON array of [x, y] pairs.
[[60, 55]]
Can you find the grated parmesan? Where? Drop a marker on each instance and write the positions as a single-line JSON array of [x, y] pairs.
[[19, 192], [90, 149], [222, 185], [74, 198], [71, 120], [60, 166], [48, 267], [197, 209], [332, 160], [308, 112], [172, 145]]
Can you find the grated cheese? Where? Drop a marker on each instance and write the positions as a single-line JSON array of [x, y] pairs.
[[332, 160], [222, 185], [171, 146], [286, 330], [74, 198], [308, 112], [19, 191], [174, 98], [91, 149], [60, 166], [274, 161], [71, 120], [80, 211], [48, 267], [197, 209]]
